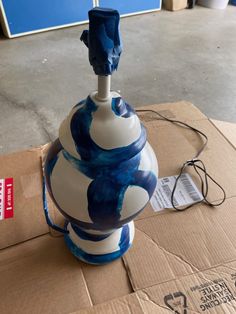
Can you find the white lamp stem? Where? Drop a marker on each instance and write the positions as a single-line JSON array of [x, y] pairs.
[[104, 86]]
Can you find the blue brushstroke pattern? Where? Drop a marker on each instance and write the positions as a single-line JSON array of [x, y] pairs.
[[99, 259], [89, 150], [121, 108], [106, 192], [112, 171], [103, 40]]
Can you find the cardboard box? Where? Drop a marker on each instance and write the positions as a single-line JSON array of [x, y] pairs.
[[184, 262], [175, 5]]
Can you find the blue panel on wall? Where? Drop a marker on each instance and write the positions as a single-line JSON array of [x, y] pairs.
[[131, 6], [30, 15]]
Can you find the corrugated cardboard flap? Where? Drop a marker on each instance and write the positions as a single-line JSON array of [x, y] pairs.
[[227, 129], [28, 221], [173, 256], [210, 291], [197, 239]]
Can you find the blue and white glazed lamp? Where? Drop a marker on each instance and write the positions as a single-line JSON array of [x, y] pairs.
[[101, 172]]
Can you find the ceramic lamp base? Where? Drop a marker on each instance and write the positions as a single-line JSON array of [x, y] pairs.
[[99, 248]]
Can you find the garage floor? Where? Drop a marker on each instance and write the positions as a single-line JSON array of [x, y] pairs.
[[167, 57]]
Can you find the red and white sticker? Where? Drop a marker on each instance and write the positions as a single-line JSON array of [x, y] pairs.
[[6, 198]]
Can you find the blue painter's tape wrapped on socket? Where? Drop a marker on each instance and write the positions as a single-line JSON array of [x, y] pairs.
[[103, 40]]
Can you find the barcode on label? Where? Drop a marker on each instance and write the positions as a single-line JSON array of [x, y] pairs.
[[186, 192], [168, 194], [166, 180], [190, 189]]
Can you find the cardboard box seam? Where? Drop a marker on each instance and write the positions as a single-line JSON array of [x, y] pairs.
[[86, 288], [126, 270], [139, 302], [147, 298], [127, 304], [213, 268], [222, 134], [165, 251], [194, 269], [25, 241], [114, 306]]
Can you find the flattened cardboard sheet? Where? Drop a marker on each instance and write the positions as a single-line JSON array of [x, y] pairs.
[[28, 220], [175, 255]]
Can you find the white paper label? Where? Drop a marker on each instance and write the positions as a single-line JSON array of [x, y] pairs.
[[186, 192]]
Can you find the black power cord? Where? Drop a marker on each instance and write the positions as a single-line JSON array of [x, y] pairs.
[[195, 162]]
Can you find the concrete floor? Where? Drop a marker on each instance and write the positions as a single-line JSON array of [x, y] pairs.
[[167, 57]]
